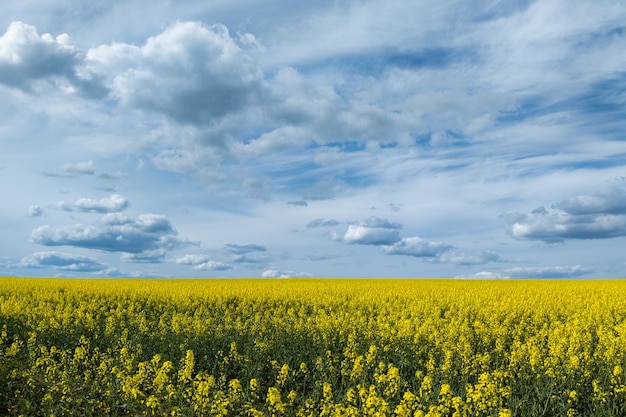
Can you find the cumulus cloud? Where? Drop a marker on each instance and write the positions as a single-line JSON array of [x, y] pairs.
[[598, 216], [201, 72], [63, 262], [611, 201], [417, 247], [202, 263], [372, 231], [437, 252], [111, 204], [73, 170], [386, 235], [212, 266], [191, 259], [146, 238], [274, 273], [25, 56], [35, 211]]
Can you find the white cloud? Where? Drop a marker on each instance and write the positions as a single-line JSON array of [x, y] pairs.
[[274, 273], [191, 259], [202, 263], [212, 266], [417, 247], [365, 235], [35, 211], [63, 262], [111, 204], [25, 56], [455, 112], [202, 74], [147, 238], [598, 216]]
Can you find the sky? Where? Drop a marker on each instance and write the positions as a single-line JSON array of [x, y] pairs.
[[356, 138]]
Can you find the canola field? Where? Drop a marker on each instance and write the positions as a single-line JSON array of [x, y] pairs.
[[312, 348]]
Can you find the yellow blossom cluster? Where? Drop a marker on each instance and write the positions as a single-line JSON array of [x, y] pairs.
[[312, 347]]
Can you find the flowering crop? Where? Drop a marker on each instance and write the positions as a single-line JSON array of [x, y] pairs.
[[312, 348]]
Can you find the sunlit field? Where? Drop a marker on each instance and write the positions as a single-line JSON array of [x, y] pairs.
[[312, 348]]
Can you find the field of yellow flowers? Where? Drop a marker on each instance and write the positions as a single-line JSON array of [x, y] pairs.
[[312, 348]]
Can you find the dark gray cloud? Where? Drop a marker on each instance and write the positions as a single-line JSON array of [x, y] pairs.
[[145, 239], [300, 203], [111, 204], [598, 216], [63, 262]]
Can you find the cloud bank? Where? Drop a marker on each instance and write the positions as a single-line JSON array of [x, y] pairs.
[[144, 239], [598, 216]]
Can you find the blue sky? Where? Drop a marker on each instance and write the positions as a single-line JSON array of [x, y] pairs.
[[480, 139]]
